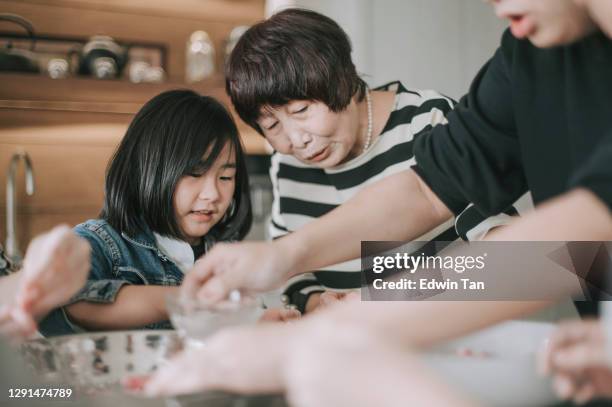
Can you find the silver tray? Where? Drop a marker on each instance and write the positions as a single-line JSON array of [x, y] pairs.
[[95, 363]]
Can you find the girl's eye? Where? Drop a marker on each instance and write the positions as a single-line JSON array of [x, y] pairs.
[[226, 178], [272, 126]]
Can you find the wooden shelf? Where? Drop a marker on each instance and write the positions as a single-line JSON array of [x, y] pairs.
[[80, 105]]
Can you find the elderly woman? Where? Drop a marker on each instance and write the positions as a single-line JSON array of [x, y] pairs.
[[292, 79]]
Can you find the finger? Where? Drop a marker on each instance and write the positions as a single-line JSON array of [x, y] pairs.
[[584, 394], [28, 296], [271, 315], [5, 313], [543, 360], [213, 290], [564, 386], [135, 384], [197, 276], [290, 314], [580, 357], [573, 331], [328, 298], [163, 382], [24, 319], [15, 330]]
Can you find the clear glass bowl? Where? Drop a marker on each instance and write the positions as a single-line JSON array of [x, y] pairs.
[[195, 320]]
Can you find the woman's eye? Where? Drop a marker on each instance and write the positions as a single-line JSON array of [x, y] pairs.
[[226, 178], [302, 110]]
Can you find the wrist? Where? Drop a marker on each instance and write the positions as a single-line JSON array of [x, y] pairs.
[[292, 254], [161, 305]]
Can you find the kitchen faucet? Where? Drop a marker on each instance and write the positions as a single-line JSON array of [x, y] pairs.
[[12, 245]]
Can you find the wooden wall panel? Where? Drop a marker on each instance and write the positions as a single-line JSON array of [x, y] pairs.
[[70, 127]]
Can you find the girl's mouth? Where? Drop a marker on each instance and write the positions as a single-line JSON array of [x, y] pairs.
[[202, 216]]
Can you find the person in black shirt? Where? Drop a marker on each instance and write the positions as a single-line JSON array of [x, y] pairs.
[[533, 119]]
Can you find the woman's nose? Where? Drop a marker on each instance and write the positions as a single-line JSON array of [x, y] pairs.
[[300, 140]]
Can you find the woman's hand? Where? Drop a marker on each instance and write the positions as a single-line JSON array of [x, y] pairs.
[[243, 360], [338, 356], [54, 269], [579, 362], [249, 266], [280, 315], [330, 298]]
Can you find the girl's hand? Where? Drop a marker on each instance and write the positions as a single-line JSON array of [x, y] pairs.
[[248, 266], [579, 362], [54, 269]]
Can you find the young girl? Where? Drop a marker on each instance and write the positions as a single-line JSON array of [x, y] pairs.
[[176, 185]]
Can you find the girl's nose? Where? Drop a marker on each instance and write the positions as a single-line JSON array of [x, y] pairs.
[[209, 190]]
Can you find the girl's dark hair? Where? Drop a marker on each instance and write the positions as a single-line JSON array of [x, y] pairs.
[[294, 55], [166, 140]]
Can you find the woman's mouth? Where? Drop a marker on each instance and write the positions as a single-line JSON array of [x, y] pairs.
[[522, 26], [320, 156]]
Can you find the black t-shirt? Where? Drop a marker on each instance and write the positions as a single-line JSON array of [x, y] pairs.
[[537, 119]]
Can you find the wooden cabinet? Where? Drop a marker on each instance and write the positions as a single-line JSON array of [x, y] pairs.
[[71, 127]]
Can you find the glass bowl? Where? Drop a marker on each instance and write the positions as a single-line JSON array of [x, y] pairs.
[[195, 320]]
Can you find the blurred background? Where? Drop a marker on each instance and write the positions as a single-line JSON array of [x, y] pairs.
[[74, 72]]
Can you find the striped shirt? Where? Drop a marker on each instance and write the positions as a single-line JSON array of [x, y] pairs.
[[303, 193]]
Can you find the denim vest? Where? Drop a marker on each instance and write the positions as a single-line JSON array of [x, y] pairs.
[[116, 260]]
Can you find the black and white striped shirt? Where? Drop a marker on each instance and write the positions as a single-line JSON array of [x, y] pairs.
[[303, 193]]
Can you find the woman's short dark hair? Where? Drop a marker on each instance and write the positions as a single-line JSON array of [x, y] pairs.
[[294, 55], [166, 140]]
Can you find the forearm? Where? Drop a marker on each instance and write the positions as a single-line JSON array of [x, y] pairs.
[[399, 207], [575, 216], [134, 306]]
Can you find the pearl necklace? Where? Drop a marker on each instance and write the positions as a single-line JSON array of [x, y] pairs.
[[369, 132]]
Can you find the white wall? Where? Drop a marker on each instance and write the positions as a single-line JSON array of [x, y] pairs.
[[435, 44]]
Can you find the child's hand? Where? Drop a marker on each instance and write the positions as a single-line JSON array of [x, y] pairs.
[[248, 266], [54, 269], [579, 362]]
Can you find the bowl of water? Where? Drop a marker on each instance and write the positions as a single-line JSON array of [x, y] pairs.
[[497, 366], [195, 320]]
